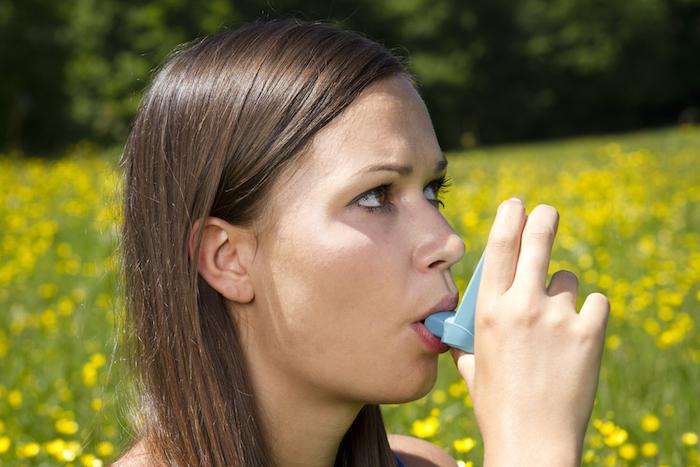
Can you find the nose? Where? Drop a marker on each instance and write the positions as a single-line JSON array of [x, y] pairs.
[[439, 246]]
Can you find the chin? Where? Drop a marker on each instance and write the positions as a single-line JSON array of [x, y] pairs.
[[411, 387]]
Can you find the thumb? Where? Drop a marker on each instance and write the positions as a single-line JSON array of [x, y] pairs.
[[465, 365]]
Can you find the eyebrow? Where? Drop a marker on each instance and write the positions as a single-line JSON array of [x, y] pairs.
[[403, 170]]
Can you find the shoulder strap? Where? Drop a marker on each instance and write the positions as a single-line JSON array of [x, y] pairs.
[[399, 462]]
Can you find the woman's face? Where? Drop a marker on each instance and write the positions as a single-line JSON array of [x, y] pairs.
[[348, 268]]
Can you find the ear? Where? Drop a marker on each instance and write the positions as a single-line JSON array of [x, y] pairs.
[[225, 257]]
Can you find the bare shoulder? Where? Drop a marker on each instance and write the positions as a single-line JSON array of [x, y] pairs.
[[137, 456], [416, 452]]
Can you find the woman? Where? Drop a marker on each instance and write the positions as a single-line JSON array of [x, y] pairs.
[[282, 237]]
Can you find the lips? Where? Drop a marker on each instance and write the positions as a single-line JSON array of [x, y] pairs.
[[447, 303], [430, 342]]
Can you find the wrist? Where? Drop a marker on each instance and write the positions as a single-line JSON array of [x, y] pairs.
[[539, 452]]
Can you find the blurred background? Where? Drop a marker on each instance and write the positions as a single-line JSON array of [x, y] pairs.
[[590, 106], [491, 71]]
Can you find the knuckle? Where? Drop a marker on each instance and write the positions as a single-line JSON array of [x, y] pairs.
[[502, 242], [557, 321], [587, 334], [539, 233], [526, 310], [486, 320], [527, 318], [527, 307], [486, 316]]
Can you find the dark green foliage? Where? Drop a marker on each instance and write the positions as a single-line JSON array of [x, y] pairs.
[[490, 70]]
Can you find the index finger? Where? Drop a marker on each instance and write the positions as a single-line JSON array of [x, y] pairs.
[[503, 248]]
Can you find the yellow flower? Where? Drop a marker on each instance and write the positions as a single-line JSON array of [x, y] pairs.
[[628, 451], [613, 342], [434, 412], [468, 401], [666, 313], [616, 438], [89, 460], [89, 375], [585, 261], [650, 423], [4, 444], [689, 438], [605, 428], [14, 398], [425, 428], [589, 456], [470, 219], [71, 451], [596, 441], [4, 344], [48, 318], [102, 300], [105, 449], [650, 449], [65, 306], [610, 460], [439, 396], [28, 450], [98, 360], [66, 426], [464, 445], [651, 326], [457, 389], [55, 447], [96, 404], [47, 290]]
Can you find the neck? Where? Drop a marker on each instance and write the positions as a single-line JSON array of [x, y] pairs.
[[301, 428]]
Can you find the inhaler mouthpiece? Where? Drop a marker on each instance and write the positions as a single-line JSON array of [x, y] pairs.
[[456, 329]]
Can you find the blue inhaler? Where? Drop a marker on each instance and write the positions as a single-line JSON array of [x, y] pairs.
[[456, 329]]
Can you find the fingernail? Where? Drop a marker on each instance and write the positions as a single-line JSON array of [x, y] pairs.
[[500, 206]]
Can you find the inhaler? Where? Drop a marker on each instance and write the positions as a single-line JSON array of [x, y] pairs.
[[456, 328]]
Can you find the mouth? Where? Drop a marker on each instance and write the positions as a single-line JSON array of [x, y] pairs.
[[430, 343], [447, 303]]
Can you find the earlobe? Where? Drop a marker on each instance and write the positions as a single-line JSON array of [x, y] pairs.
[[224, 258]]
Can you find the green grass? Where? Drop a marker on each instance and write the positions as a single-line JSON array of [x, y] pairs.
[[629, 227]]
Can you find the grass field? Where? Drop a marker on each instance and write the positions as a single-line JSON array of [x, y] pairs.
[[629, 227]]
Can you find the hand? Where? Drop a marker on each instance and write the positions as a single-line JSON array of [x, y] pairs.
[[534, 372]]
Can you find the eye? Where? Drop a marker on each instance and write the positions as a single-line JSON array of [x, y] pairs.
[[438, 187], [378, 196], [380, 193]]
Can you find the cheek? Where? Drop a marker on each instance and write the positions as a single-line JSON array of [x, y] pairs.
[[338, 284], [344, 304]]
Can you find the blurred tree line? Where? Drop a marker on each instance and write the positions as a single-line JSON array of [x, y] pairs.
[[490, 70]]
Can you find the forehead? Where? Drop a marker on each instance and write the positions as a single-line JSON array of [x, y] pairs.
[[387, 122]]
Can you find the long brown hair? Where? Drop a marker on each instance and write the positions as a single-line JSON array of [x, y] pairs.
[[218, 123]]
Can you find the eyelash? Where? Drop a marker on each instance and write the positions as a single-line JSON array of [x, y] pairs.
[[438, 185]]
